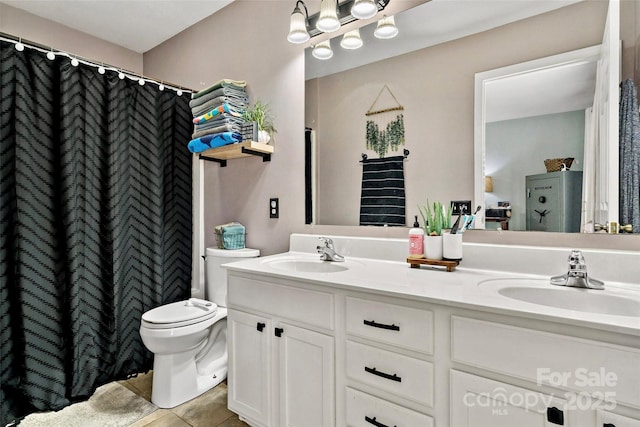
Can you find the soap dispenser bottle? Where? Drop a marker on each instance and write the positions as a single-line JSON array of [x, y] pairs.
[[416, 241]]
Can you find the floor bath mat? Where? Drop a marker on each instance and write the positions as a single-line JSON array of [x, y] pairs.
[[112, 405]]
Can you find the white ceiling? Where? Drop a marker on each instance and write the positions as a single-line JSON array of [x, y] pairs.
[[138, 25]]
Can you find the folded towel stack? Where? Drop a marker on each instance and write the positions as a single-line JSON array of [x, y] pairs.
[[217, 112], [230, 236]]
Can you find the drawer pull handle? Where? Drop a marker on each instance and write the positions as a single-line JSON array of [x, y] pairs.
[[374, 422], [381, 325], [374, 371], [608, 425]]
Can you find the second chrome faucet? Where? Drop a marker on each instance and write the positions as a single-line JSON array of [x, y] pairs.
[[576, 275]]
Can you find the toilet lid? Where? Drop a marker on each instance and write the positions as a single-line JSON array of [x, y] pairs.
[[181, 312]]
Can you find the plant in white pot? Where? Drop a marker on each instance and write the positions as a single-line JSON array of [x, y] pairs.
[[435, 219], [259, 112]]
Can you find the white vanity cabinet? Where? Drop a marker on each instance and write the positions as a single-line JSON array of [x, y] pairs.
[[378, 335], [480, 402], [586, 378], [305, 352], [281, 372]]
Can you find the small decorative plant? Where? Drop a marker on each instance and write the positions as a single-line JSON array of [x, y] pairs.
[[259, 112], [435, 218]]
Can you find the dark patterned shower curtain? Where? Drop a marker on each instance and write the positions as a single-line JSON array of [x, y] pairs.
[[95, 225]]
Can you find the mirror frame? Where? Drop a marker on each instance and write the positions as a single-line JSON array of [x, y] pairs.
[[588, 54]]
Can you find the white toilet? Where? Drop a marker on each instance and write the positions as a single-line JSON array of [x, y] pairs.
[[189, 338]]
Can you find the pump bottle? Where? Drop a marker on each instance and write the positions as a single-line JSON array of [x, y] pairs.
[[416, 241]]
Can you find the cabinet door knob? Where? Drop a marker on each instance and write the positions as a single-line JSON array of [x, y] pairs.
[[278, 332], [555, 416], [260, 326], [374, 422]]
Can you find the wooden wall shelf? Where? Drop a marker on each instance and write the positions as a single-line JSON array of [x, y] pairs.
[[235, 151]]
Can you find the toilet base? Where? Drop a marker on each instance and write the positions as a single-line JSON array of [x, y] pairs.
[[176, 379], [179, 377]]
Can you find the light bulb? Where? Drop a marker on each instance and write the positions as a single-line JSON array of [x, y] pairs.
[[161, 87], [19, 46], [101, 70], [51, 55], [298, 27], [322, 50], [351, 40], [121, 75], [364, 9], [179, 92], [75, 62], [141, 81], [328, 20], [386, 28]]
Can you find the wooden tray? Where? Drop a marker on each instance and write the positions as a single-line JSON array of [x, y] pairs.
[[417, 262]]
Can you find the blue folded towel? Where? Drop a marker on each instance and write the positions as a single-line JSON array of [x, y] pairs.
[[203, 143]]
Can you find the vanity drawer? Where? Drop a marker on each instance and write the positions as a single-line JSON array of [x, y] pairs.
[[400, 326], [287, 302], [395, 373], [364, 410], [561, 361]]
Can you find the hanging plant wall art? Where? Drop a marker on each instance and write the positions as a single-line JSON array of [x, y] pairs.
[[383, 132], [392, 137]]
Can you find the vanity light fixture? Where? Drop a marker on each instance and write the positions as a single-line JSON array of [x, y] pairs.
[[328, 21], [386, 28], [364, 9], [331, 17], [351, 40], [322, 50], [298, 24]]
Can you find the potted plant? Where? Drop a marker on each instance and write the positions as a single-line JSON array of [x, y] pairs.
[[259, 113], [435, 219]]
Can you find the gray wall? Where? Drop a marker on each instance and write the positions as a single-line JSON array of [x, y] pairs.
[[517, 148]]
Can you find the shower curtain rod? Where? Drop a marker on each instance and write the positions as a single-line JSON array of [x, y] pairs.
[[102, 67]]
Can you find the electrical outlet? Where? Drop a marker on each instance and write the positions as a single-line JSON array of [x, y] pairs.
[[274, 208], [464, 204]]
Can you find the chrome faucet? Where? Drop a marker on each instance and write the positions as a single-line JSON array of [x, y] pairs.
[[577, 275], [327, 251]]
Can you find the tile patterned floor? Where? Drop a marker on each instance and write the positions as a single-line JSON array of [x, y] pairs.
[[206, 410]]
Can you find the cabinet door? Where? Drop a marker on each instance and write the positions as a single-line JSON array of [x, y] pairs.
[[307, 382], [480, 402], [609, 419], [249, 377]]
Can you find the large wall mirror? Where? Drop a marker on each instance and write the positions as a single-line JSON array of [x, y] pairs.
[[431, 73]]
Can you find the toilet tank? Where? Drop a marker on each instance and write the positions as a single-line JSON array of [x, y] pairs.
[[216, 276]]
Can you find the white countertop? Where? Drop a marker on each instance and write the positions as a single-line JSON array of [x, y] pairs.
[[460, 288]]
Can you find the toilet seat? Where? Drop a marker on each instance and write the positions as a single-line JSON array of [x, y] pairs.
[[181, 313]]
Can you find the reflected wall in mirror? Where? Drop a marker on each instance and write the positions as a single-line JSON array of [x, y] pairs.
[[527, 115], [436, 87]]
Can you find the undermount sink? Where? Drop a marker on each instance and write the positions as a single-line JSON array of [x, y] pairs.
[[308, 266], [541, 292]]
